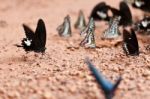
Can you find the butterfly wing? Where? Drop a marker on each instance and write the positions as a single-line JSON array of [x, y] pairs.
[[130, 44], [113, 31], [28, 43], [28, 32], [126, 42], [100, 8], [105, 84], [80, 23], [135, 41], [40, 35], [115, 12], [126, 16]]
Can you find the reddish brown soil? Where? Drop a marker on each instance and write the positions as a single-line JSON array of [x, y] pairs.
[[61, 73]]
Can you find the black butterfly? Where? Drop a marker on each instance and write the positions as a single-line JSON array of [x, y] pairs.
[[100, 12], [130, 43], [107, 87], [124, 12], [143, 25], [34, 41], [144, 5]]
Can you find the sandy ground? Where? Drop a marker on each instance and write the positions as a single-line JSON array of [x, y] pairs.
[[61, 72]]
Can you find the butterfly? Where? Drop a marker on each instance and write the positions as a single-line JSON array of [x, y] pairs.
[[130, 43], [107, 87], [34, 41], [143, 25], [144, 5], [89, 40], [64, 29], [112, 31], [80, 23], [101, 10]]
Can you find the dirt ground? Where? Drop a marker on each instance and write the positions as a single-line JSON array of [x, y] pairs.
[[61, 73]]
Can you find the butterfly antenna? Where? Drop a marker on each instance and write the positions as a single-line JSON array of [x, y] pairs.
[[18, 45]]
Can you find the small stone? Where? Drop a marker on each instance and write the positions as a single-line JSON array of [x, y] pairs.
[[115, 69], [14, 94], [72, 89], [47, 95], [146, 73]]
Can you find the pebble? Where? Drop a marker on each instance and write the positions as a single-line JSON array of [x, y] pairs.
[[47, 95]]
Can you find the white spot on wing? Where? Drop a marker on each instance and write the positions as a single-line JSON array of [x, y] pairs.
[[102, 14], [139, 3], [28, 42], [144, 23]]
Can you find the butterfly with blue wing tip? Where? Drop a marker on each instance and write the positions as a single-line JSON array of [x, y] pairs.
[[64, 30], [34, 41], [100, 12], [130, 43], [107, 87]]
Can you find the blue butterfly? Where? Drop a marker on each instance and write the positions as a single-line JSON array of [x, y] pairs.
[[107, 87]]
